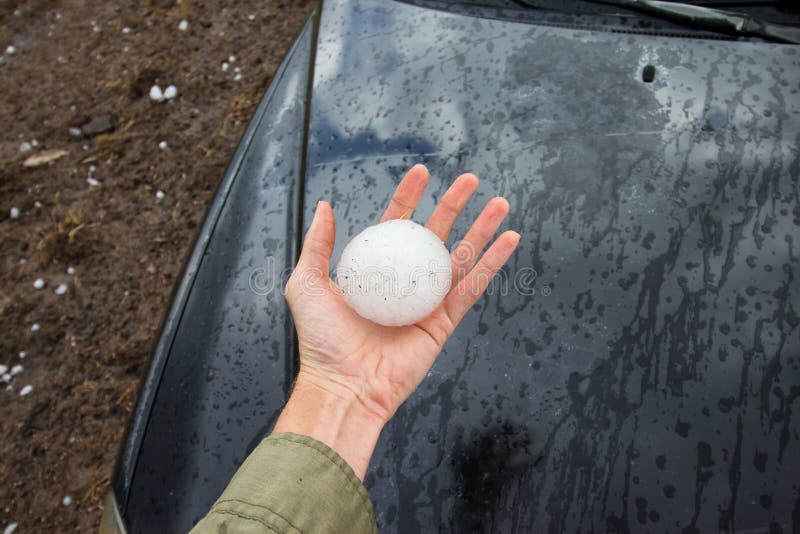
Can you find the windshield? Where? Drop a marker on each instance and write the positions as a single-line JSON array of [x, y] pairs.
[[597, 15]]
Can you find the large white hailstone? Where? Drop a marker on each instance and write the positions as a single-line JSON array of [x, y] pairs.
[[394, 273]]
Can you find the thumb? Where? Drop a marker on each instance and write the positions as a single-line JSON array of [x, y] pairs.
[[318, 244]]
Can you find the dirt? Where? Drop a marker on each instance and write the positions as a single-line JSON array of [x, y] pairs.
[[78, 84]]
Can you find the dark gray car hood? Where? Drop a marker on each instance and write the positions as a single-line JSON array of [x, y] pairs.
[[636, 367]]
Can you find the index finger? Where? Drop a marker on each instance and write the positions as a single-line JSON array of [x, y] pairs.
[[407, 195]]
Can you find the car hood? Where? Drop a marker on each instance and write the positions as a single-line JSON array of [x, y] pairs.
[[636, 363]]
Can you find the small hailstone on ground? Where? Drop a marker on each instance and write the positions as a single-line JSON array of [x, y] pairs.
[[61, 289], [237, 70], [92, 182], [37, 204], [17, 369], [67, 500], [160, 195], [126, 30], [14, 213], [24, 391], [170, 92], [38, 283], [6, 378], [35, 327], [10, 528], [155, 94], [22, 354], [70, 270], [237, 77], [394, 273], [231, 59], [3, 369], [183, 25], [34, 143], [251, 17], [11, 50], [23, 261], [162, 145], [75, 132], [225, 66], [25, 147]]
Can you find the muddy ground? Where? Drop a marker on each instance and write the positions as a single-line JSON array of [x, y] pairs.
[[112, 217]]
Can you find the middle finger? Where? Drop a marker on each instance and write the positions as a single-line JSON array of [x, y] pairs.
[[449, 208]]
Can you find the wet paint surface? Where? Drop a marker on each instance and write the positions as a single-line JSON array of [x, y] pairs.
[[649, 381], [637, 365]]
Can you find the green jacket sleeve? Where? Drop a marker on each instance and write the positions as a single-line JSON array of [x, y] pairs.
[[292, 484]]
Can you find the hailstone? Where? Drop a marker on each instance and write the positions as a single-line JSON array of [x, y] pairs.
[[394, 273]]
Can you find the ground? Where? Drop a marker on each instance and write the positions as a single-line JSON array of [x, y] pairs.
[[113, 216]]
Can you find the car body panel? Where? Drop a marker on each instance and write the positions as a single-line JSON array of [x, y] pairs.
[[637, 363]]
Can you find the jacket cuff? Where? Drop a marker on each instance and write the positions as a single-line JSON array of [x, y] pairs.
[[293, 483]]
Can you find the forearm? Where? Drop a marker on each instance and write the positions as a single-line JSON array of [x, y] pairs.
[[292, 483], [333, 416], [305, 476]]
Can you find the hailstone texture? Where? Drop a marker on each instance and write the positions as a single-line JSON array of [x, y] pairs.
[[394, 273]]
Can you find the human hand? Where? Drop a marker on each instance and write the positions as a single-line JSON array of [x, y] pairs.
[[354, 373]]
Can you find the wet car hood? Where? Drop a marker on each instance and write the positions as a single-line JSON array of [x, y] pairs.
[[636, 365]]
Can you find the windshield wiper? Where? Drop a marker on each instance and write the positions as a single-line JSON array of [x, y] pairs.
[[710, 19]]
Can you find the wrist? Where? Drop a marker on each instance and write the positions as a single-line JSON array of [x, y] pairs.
[[333, 415]]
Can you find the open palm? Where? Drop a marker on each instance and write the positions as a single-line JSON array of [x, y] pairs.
[[383, 365]]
